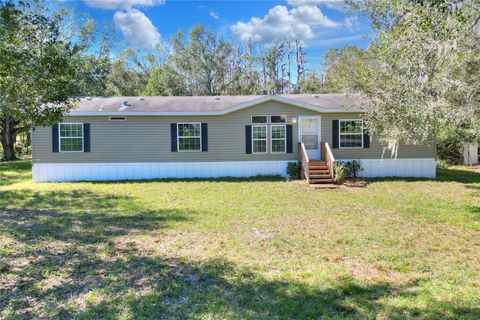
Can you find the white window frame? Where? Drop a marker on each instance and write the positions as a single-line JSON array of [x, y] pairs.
[[284, 138], [178, 136], [60, 137], [259, 115], [278, 115], [340, 134], [266, 138]]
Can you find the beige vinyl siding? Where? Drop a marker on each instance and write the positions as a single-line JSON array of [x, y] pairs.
[[376, 148], [147, 139]]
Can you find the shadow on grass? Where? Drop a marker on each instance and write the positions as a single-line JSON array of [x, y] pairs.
[[443, 175], [79, 215], [258, 178], [129, 282], [458, 175], [14, 171]]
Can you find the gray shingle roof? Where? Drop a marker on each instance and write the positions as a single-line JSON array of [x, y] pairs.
[[208, 104]]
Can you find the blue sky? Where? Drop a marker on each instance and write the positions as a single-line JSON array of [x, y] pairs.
[[320, 24]]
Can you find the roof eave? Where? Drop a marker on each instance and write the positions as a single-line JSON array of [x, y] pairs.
[[238, 107]]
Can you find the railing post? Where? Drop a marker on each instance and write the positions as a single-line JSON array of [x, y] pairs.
[[300, 161], [303, 159]]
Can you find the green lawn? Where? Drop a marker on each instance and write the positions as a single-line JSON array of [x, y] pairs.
[[264, 249]]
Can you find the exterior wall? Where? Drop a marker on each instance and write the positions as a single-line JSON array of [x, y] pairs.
[[147, 139], [376, 150], [142, 139]]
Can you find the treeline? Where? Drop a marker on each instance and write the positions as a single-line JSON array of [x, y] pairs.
[[203, 63]]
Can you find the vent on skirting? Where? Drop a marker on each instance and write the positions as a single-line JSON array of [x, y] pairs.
[[117, 118]]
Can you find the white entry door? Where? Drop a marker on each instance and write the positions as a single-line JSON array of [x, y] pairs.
[[309, 134]]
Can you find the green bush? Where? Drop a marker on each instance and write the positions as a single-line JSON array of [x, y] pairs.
[[293, 170], [450, 143], [449, 149], [340, 172], [353, 168]]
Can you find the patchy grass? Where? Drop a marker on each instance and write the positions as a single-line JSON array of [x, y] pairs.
[[395, 249]]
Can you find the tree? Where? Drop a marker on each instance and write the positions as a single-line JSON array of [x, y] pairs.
[[273, 64], [422, 71], [344, 69], [205, 63], [164, 81], [130, 73], [38, 71], [311, 82], [94, 69]]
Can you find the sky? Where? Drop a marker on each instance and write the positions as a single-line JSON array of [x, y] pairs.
[[320, 24]]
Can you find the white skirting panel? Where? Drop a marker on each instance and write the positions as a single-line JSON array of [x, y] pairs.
[[45, 172], [470, 153], [420, 168]]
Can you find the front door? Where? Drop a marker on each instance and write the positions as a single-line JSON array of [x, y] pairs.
[[309, 134]]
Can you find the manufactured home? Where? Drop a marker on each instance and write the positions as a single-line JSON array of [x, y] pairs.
[[118, 138]]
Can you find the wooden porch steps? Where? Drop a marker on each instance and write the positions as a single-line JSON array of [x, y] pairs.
[[318, 173]]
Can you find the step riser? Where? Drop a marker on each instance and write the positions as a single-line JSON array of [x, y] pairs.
[[323, 186], [321, 181]]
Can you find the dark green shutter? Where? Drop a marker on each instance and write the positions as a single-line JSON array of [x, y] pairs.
[[173, 136], [204, 137], [248, 139], [86, 137], [289, 138], [335, 134], [366, 137], [55, 138]]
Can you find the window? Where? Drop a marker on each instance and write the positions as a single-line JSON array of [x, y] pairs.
[[71, 137], [189, 136], [278, 119], [278, 135], [351, 133], [259, 119], [259, 139]]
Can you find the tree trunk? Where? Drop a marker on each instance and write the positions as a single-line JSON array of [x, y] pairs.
[[7, 138]]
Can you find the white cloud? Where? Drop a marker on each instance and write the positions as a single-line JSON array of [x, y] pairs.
[[125, 4], [351, 23], [214, 15], [137, 29], [280, 24], [333, 4]]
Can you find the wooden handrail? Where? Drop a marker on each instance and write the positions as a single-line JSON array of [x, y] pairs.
[[303, 158], [329, 158]]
